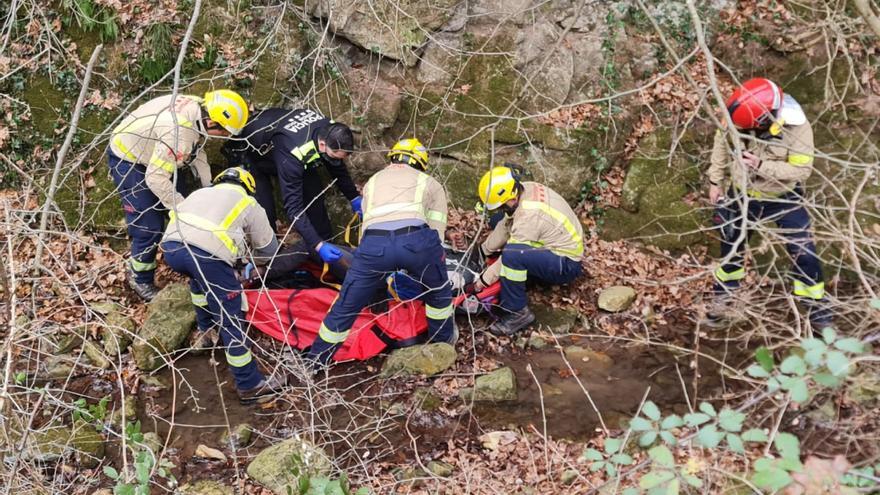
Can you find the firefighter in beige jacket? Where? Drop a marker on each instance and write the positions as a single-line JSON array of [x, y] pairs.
[[540, 237], [404, 223], [146, 150], [210, 231], [767, 184]]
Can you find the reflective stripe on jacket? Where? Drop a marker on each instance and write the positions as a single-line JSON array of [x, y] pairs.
[[223, 220], [163, 138], [543, 219], [400, 192]]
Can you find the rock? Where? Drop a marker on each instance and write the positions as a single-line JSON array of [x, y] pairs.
[[558, 320], [79, 440], [547, 66], [239, 437], [495, 439], [393, 30], [206, 487], [117, 419], [499, 385], [104, 307], [116, 333], [96, 355], [59, 366], [441, 469], [375, 100], [408, 473], [426, 399], [576, 354], [427, 360], [617, 298], [152, 442], [206, 452], [170, 319], [441, 60], [67, 343], [536, 341], [154, 382], [568, 476], [280, 466]]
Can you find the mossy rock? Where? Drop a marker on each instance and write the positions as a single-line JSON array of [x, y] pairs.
[[79, 440], [428, 359], [170, 319], [281, 466], [559, 320]]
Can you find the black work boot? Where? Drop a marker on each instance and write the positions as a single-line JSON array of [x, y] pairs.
[[820, 315], [512, 322], [263, 391], [145, 290]]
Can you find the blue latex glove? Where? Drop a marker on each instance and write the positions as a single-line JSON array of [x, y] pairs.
[[329, 253], [356, 205], [248, 269]]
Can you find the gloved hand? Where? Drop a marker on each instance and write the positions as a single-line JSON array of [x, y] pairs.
[[329, 253], [356, 205], [248, 271]]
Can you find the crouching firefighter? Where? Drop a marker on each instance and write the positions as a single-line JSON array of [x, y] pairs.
[[208, 233], [765, 184], [404, 221], [540, 237], [146, 150]]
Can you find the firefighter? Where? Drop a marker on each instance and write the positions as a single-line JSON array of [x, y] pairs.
[[539, 237], [209, 232], [292, 145], [146, 150], [767, 183], [404, 221]]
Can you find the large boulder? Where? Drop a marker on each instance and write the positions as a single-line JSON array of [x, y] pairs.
[[170, 319], [426, 360], [80, 441], [393, 29], [280, 466]]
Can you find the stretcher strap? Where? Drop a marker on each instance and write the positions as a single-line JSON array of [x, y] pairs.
[[352, 226], [323, 273]]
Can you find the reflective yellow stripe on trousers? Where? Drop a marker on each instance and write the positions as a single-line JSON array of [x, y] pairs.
[[723, 276], [220, 231], [816, 291], [512, 274], [239, 361], [438, 313], [200, 300], [332, 337], [564, 221]]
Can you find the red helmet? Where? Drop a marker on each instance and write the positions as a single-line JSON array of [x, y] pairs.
[[754, 104]]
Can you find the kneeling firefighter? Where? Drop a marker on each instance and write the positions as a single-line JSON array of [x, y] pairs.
[[539, 237], [209, 232], [404, 222]]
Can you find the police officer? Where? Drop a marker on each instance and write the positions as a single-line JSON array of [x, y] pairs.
[[211, 230], [766, 183], [293, 145], [146, 149], [540, 237], [404, 221]]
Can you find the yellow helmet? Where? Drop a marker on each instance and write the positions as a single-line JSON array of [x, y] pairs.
[[414, 151], [239, 176], [497, 187], [227, 108]]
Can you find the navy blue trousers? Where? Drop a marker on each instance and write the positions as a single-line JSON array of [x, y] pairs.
[[216, 294], [380, 253], [792, 218], [520, 262]]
